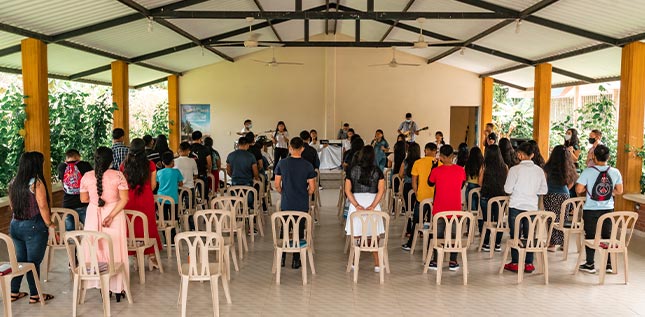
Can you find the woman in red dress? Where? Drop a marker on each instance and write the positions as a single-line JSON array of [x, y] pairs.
[[141, 175]]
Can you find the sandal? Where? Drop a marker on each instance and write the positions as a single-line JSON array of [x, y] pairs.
[[36, 299], [18, 296], [152, 263]]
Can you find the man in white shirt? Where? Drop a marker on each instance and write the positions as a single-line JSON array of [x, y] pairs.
[[187, 166], [524, 183], [248, 125]]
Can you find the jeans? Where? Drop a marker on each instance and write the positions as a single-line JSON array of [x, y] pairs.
[[524, 231], [69, 221], [415, 218], [494, 213], [469, 188], [30, 240], [590, 218], [441, 230], [407, 187]]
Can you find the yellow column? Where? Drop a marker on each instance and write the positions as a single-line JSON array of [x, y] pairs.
[[542, 107], [173, 111], [120, 90], [486, 108], [630, 118], [34, 79]]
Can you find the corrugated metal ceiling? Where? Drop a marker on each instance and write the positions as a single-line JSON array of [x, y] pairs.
[[187, 59]]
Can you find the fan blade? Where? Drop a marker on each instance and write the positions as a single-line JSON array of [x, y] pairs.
[[374, 65], [259, 61], [444, 42], [404, 64], [289, 63]]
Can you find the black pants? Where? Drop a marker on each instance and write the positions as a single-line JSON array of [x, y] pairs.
[[590, 218], [415, 218], [301, 234], [278, 154]]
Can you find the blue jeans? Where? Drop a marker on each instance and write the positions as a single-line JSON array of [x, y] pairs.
[[30, 239], [494, 213], [469, 188], [69, 221], [524, 231]]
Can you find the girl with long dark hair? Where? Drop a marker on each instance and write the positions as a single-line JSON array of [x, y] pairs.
[[560, 178], [405, 171], [161, 147], [492, 177], [364, 187], [462, 154], [280, 144], [106, 191], [508, 153], [439, 139], [572, 144], [31, 219], [473, 167], [141, 175], [380, 147], [356, 146], [217, 160]]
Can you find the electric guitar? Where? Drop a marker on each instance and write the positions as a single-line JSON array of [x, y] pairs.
[[408, 134]]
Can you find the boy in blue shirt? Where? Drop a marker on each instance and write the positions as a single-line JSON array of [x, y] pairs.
[[169, 180]]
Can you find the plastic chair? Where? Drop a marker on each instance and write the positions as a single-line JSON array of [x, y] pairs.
[[397, 196], [254, 215], [470, 203], [195, 265], [55, 241], [423, 227], [571, 223], [501, 225], [222, 189], [456, 225], [186, 207], [86, 244], [140, 244], [385, 201], [369, 240], [201, 196], [408, 213], [622, 228], [17, 269], [213, 187], [219, 221], [236, 206], [317, 190], [264, 193], [341, 197], [291, 242], [267, 191], [166, 225], [540, 226]]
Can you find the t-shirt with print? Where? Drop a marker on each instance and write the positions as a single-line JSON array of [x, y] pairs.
[[188, 169], [73, 201], [421, 169], [588, 178], [295, 173], [448, 181], [241, 162], [168, 179]]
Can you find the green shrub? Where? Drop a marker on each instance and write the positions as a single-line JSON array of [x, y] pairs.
[[12, 113]]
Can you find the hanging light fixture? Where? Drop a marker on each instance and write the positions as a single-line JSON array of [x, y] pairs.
[[462, 51], [150, 19], [518, 23]]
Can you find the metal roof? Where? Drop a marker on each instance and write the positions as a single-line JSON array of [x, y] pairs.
[[581, 38]]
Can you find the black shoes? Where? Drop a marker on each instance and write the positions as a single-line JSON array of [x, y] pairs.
[[295, 264], [284, 257]]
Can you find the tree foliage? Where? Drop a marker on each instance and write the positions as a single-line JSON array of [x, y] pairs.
[[12, 113], [513, 117], [158, 124]]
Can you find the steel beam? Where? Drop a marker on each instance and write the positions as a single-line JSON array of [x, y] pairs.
[[572, 75], [10, 50], [90, 72], [389, 30], [331, 44], [156, 81], [510, 85], [275, 32], [321, 15]]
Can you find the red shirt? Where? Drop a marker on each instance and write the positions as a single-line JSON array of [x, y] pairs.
[[448, 181]]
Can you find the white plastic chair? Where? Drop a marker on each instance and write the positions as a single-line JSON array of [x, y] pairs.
[[236, 206], [186, 207], [423, 227], [254, 214], [56, 234], [201, 198], [140, 244], [369, 240], [472, 204], [501, 225], [408, 213], [291, 242], [219, 221], [571, 223], [166, 225], [397, 196]]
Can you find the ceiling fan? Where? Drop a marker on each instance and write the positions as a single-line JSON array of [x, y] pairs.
[[251, 41], [422, 43], [393, 62], [274, 63]]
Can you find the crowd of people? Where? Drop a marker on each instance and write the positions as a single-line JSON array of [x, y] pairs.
[[127, 176]]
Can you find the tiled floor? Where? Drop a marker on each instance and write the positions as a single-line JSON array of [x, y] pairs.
[[406, 292]]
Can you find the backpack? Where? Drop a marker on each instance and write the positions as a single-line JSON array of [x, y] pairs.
[[72, 179], [603, 187]]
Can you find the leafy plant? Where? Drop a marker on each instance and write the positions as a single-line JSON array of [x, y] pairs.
[[512, 116], [13, 115], [158, 124]]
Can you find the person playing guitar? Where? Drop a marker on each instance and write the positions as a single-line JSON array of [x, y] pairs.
[[409, 128]]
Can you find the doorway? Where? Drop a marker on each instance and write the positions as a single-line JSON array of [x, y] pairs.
[[463, 125]]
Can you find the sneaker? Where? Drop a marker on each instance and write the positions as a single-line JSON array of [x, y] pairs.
[[498, 248], [433, 265], [377, 269], [453, 266], [315, 221], [511, 267], [485, 247], [406, 247], [589, 268], [608, 269], [529, 268]]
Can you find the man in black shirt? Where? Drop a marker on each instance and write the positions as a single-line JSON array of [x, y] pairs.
[[308, 153], [256, 150], [203, 157], [70, 173]]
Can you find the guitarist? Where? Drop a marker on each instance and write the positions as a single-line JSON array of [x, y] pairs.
[[409, 128]]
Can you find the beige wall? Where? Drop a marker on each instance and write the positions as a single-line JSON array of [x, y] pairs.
[[463, 119], [335, 85]]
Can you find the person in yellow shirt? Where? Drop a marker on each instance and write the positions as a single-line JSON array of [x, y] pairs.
[[420, 173]]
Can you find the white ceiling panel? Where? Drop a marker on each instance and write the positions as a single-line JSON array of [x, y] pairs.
[[598, 64], [264, 34], [459, 29], [8, 39], [105, 76], [11, 61], [56, 16], [518, 5], [476, 62], [618, 18], [443, 6], [237, 52], [155, 3], [282, 5], [67, 61], [224, 5], [533, 41], [204, 28], [380, 5], [141, 75], [132, 39], [370, 30], [186, 60], [525, 77], [423, 52], [294, 30]]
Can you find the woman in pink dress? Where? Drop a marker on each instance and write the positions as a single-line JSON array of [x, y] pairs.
[[141, 175], [106, 191]]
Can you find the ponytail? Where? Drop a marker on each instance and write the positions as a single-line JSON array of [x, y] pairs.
[[102, 162]]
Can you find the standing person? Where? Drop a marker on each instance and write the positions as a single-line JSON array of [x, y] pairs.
[[438, 136], [241, 165], [405, 171], [248, 125], [342, 133], [408, 128], [492, 177], [488, 129], [295, 181], [169, 180], [280, 140], [161, 147], [524, 183], [538, 159], [141, 175], [572, 144], [216, 160], [490, 140], [448, 180], [472, 168], [106, 191], [309, 153], [380, 146], [70, 173], [600, 183], [256, 150], [203, 157], [187, 167], [364, 187], [560, 178], [31, 220], [420, 173], [119, 150], [595, 137], [462, 154], [508, 153]]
